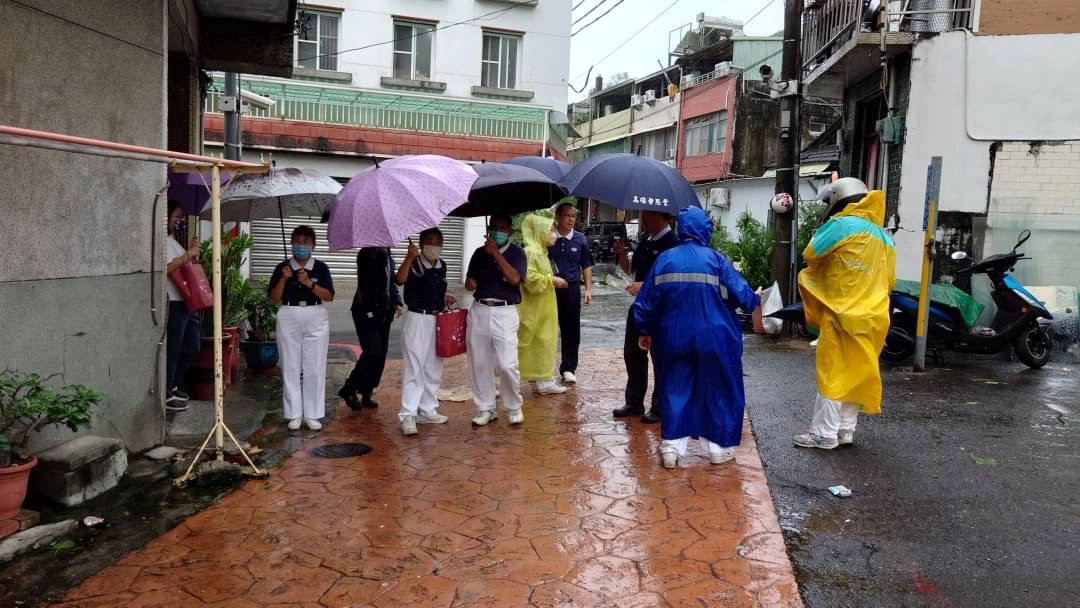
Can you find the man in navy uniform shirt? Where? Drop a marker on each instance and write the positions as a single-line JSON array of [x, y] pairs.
[[659, 238], [494, 276], [572, 261]]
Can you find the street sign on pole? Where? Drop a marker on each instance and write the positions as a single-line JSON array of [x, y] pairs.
[[930, 213]]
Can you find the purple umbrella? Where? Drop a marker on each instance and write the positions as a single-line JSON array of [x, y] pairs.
[[192, 190], [554, 169], [382, 205]]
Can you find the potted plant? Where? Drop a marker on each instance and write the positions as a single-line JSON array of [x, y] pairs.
[[260, 348], [26, 405], [233, 313]]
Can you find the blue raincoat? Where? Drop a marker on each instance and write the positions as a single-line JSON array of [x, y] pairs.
[[687, 305]]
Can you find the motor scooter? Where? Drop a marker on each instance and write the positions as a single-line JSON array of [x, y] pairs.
[[1017, 323]]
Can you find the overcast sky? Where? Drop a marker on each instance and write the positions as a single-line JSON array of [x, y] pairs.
[[638, 57]]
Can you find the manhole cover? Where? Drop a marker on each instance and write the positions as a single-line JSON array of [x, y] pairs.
[[341, 450]]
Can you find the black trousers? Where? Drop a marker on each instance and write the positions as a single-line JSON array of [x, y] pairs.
[[374, 337], [568, 302], [637, 368]]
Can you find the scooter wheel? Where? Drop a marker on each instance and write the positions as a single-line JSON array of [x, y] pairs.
[[1032, 347], [899, 346]]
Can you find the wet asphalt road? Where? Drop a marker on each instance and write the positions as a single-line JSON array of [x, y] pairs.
[[966, 490]]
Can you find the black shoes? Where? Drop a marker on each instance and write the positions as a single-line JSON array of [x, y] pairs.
[[349, 396], [628, 410], [650, 417], [367, 401]]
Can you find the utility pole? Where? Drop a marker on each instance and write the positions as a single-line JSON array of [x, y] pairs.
[[230, 106], [787, 153]]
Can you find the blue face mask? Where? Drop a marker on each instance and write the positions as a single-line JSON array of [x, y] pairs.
[[500, 238], [301, 252]]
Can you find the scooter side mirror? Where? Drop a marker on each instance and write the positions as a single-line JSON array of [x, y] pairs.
[[1024, 236], [959, 255]]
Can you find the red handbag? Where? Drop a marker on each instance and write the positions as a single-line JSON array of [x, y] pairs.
[[450, 332], [191, 282]]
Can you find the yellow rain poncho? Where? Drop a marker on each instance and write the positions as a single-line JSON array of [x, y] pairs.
[[538, 332], [851, 268]]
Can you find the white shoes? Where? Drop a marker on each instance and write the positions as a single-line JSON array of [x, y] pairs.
[[724, 455], [408, 425], [435, 418], [569, 378], [517, 416], [294, 424], [670, 459], [845, 437], [485, 417], [549, 387], [313, 424], [810, 440]]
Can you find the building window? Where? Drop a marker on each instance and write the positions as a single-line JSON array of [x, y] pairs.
[[414, 44], [706, 134], [317, 42], [500, 61]]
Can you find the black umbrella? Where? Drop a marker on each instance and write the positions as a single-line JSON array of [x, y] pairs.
[[507, 190]]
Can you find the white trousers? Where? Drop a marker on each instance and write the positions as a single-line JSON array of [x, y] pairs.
[[491, 344], [303, 336], [421, 373], [679, 446], [830, 417]]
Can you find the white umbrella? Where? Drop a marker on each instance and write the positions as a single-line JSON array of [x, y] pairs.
[[280, 193]]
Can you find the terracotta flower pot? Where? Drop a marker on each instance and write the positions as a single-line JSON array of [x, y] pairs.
[[13, 482]]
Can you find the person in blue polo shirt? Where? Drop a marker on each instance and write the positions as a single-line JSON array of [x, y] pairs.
[[423, 273], [572, 261], [301, 284], [494, 276]]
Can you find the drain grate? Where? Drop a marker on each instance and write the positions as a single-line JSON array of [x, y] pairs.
[[341, 450]]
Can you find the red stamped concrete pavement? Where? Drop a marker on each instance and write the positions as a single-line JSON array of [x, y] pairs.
[[570, 509]]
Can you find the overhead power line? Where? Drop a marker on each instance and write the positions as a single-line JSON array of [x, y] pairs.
[[761, 10], [575, 7], [588, 12], [628, 39], [597, 19]]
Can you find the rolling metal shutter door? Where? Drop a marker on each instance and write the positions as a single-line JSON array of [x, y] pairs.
[[269, 251]]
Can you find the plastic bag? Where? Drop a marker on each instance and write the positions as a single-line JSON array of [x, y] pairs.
[[194, 288], [771, 301], [450, 332]]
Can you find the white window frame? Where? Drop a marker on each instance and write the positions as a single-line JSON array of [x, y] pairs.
[[414, 73], [503, 70], [325, 52], [706, 134]]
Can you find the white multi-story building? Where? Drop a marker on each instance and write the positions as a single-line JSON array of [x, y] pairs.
[[476, 80]]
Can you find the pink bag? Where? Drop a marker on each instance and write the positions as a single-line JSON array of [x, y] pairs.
[[450, 332], [191, 282]]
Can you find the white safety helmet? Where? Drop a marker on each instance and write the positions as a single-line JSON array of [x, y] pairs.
[[842, 192]]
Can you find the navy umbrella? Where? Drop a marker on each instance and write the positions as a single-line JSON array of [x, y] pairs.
[[508, 189], [630, 182], [555, 169]]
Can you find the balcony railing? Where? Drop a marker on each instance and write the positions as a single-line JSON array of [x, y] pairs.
[[829, 24], [343, 105]]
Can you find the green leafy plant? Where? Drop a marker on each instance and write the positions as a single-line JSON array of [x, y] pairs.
[[810, 220], [233, 255], [261, 312], [751, 251], [26, 405]]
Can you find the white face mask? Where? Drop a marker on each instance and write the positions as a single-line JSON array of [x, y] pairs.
[[432, 252]]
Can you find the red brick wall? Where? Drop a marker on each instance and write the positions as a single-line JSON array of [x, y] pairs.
[[698, 101], [326, 138]]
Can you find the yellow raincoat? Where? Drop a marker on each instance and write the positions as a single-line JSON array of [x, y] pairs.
[[851, 268], [538, 331]]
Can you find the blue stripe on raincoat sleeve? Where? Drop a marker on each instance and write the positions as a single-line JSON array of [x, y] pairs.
[[646, 305], [740, 295]]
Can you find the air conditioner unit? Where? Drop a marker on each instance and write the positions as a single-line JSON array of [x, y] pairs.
[[686, 82], [650, 96], [719, 198], [636, 101], [723, 68]]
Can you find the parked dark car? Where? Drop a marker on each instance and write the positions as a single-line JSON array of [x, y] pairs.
[[602, 236]]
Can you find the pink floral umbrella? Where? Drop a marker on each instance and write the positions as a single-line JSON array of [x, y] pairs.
[[382, 205]]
